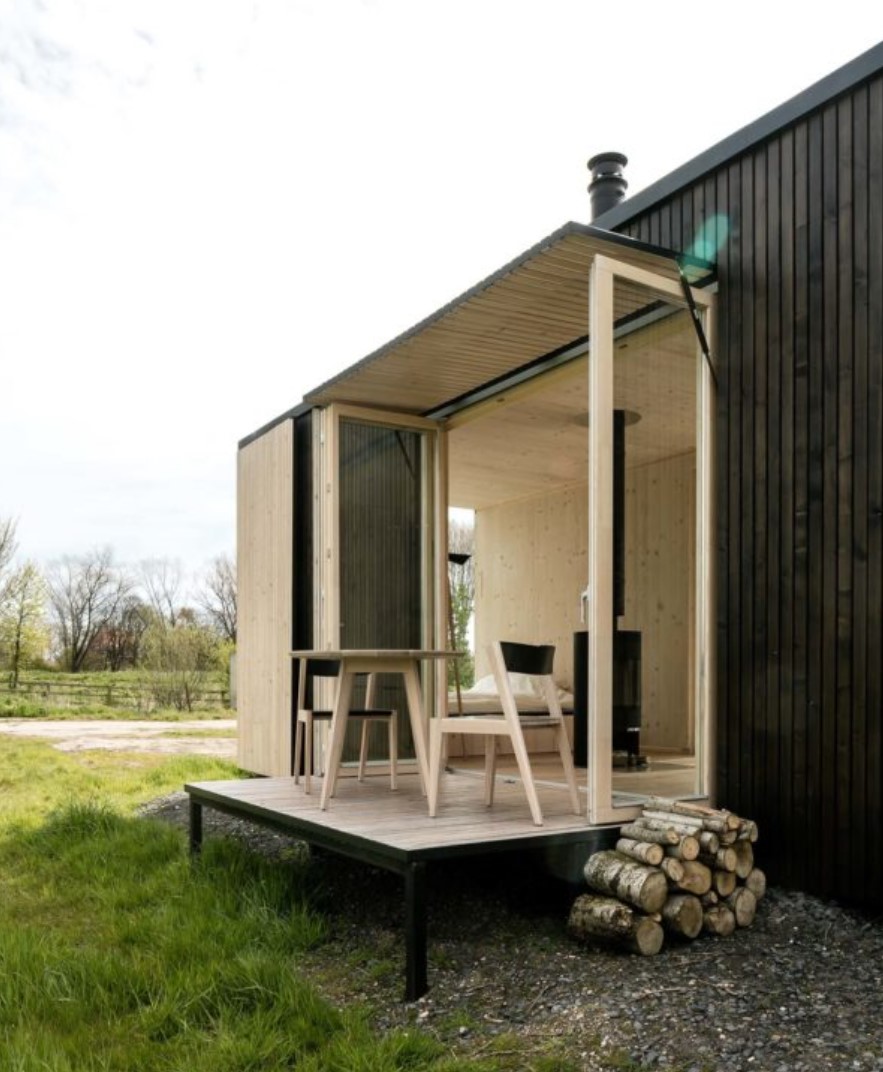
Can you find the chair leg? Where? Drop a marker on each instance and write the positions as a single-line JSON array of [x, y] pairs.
[[569, 770], [308, 752], [490, 768], [527, 778], [363, 749], [435, 755], [393, 751], [298, 748]]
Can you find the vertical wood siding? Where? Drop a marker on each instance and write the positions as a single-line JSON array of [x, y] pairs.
[[800, 489], [265, 534]]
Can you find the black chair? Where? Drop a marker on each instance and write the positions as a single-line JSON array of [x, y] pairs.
[[305, 717]]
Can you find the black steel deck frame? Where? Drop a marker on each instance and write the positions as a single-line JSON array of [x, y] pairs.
[[411, 865]]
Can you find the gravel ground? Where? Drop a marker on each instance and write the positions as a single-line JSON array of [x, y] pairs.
[[206, 737], [799, 991]]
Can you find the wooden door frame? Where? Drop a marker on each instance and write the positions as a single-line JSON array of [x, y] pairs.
[[602, 276], [326, 608]]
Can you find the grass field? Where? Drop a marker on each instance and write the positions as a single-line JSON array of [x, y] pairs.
[[118, 955]]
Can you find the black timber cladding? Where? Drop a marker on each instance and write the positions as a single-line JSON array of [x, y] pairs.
[[799, 476]]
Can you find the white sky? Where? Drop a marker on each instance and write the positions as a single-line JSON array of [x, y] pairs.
[[208, 207]]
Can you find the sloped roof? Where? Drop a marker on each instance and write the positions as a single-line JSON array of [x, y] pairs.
[[532, 307]]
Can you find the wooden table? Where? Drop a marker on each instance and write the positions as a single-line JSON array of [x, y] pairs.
[[404, 661]]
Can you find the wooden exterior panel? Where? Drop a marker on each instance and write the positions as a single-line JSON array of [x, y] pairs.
[[265, 559], [800, 486]]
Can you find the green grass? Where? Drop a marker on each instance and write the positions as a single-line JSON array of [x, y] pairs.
[[24, 707], [118, 955]]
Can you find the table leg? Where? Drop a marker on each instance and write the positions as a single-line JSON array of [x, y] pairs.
[[418, 722], [195, 827], [338, 731], [415, 931]]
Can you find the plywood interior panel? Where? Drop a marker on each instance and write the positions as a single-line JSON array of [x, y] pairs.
[[265, 543], [660, 538], [525, 443], [531, 566]]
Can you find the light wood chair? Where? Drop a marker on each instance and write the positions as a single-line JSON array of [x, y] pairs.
[[305, 718], [530, 659]]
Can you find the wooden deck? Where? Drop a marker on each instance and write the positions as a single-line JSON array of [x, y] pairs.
[[392, 830]]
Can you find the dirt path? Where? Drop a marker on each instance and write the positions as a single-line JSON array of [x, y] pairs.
[[169, 738]]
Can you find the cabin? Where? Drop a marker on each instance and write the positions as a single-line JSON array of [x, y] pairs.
[[668, 424]]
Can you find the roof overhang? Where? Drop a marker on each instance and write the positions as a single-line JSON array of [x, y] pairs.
[[532, 309]]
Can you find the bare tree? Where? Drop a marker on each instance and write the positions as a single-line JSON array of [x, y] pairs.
[[120, 640], [162, 580], [216, 596], [84, 595]]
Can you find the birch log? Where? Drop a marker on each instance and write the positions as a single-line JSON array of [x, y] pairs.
[[724, 859], [744, 905], [682, 913], [646, 852], [709, 842], [697, 877], [700, 811], [619, 876], [686, 849], [687, 822], [610, 920], [724, 882], [644, 832], [718, 919], [673, 869], [744, 858], [756, 882]]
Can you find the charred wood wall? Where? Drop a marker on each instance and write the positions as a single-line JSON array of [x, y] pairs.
[[799, 486]]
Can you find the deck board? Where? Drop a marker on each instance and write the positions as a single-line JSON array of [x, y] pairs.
[[399, 819]]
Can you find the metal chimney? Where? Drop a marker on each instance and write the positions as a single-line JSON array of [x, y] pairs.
[[608, 184]]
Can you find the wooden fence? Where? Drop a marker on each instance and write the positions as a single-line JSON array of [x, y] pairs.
[[123, 694]]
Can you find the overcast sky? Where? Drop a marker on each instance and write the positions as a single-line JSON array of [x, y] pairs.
[[208, 207]]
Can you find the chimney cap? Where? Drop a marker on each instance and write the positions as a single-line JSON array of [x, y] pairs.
[[612, 158], [608, 185]]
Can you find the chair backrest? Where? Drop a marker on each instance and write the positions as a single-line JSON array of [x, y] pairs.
[[532, 659], [326, 668], [528, 658]]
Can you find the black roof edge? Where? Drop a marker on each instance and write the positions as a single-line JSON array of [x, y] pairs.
[[820, 93], [572, 228], [291, 414]]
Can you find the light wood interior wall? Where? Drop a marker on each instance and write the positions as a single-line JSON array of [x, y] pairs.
[[660, 595], [265, 542], [531, 566]]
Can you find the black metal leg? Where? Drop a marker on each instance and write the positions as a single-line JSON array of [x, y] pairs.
[[415, 931], [195, 827]]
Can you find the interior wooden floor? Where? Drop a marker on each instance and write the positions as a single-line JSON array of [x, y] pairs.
[[665, 775]]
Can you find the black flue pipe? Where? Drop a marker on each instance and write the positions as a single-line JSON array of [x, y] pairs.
[[608, 185]]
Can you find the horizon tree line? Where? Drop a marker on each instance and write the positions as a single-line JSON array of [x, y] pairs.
[[86, 612]]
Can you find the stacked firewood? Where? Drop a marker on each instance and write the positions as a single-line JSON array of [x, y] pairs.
[[680, 868]]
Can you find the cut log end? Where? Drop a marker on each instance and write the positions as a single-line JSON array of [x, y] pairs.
[[682, 913], [606, 920]]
